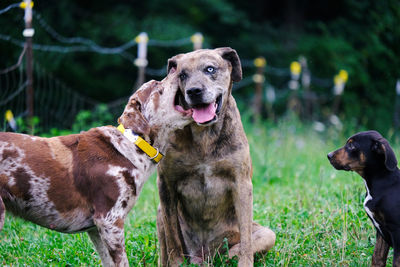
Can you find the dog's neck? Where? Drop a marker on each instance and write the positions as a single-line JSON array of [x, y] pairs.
[[158, 138], [130, 151], [152, 144], [376, 181]]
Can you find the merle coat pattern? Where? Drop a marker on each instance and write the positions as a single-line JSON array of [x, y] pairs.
[[88, 181], [205, 181]]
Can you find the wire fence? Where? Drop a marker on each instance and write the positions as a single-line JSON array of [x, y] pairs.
[[4, 10], [56, 105]]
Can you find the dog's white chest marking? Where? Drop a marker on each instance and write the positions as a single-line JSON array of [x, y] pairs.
[[369, 212]]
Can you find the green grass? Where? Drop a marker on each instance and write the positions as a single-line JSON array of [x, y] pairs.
[[315, 211]]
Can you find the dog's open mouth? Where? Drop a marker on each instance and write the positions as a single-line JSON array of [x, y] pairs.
[[181, 106], [347, 168], [207, 112], [202, 113], [343, 168]]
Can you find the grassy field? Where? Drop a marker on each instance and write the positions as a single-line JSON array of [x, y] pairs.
[[315, 211]]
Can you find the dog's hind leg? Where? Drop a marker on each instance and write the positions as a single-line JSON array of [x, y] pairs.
[[263, 240], [2, 213], [396, 247], [100, 247], [380, 252], [111, 231]]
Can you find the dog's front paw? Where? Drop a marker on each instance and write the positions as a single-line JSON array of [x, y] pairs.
[[245, 262], [234, 251], [175, 261], [196, 260]]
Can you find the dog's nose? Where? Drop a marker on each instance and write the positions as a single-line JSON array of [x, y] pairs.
[[330, 155], [194, 91]]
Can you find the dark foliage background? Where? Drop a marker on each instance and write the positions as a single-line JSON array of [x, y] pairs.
[[362, 37]]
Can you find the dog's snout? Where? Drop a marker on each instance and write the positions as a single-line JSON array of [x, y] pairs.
[[194, 91], [330, 155]]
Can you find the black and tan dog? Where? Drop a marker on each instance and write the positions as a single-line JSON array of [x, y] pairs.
[[370, 155]]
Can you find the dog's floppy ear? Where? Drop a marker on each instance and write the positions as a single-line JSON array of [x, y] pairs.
[[230, 54], [381, 146], [173, 63], [132, 117]]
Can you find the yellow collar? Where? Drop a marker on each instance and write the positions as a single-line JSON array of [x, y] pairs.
[[152, 152]]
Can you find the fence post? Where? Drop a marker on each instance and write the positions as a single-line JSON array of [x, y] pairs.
[[259, 79], [339, 81], [305, 83], [141, 62], [295, 70], [9, 116], [271, 97], [396, 116], [197, 40], [28, 34]]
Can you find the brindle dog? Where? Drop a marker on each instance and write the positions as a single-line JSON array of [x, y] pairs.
[[205, 181]]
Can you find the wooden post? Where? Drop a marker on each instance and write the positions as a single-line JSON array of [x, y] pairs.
[[197, 40], [28, 34], [271, 97], [141, 61], [339, 83], [305, 84], [9, 116], [259, 79], [295, 70]]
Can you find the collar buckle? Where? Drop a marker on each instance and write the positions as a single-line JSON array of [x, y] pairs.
[[153, 153]]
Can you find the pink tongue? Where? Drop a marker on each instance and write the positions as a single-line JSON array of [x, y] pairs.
[[179, 108], [201, 115]]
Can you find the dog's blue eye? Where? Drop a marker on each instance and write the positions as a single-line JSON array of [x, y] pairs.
[[182, 76], [210, 69]]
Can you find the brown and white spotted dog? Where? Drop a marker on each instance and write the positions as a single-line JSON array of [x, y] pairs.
[[89, 181], [205, 179]]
